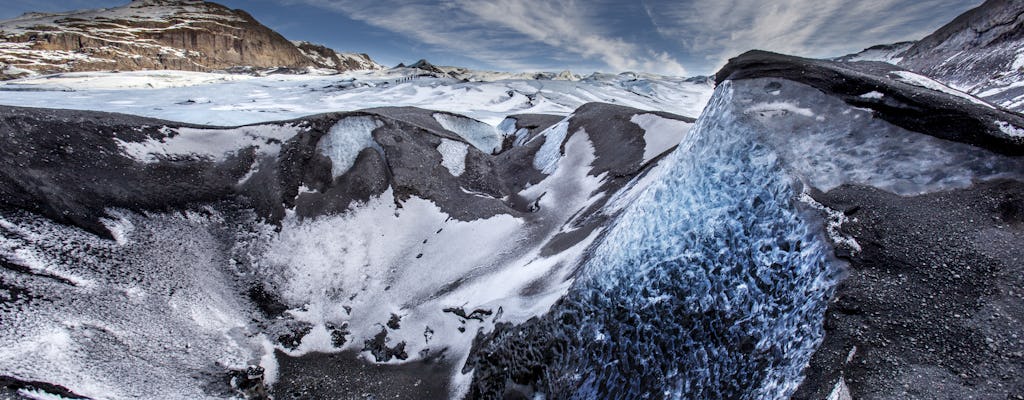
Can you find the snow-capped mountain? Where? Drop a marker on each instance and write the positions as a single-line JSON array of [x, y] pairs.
[[425, 68], [189, 35], [980, 52]]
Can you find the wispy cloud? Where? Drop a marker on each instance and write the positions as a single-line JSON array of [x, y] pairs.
[[511, 34], [815, 28]]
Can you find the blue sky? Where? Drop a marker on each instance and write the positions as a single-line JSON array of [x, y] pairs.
[[678, 37]]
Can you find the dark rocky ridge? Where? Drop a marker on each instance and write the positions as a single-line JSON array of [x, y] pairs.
[[190, 35]]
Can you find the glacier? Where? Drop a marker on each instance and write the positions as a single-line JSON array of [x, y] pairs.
[[711, 284]]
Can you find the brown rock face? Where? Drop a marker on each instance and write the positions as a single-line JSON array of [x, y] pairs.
[[186, 35]]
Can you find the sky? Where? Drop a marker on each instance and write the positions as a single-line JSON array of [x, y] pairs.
[[672, 37]]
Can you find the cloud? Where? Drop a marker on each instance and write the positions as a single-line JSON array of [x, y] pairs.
[[511, 34], [813, 28]]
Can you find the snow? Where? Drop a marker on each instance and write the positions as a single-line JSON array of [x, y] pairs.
[[453, 156], [382, 258], [1018, 61], [209, 144], [660, 133], [101, 340], [840, 391], [242, 99], [546, 159], [345, 140], [892, 54], [71, 81], [872, 95], [833, 224], [778, 108], [482, 136], [927, 83], [1010, 130]]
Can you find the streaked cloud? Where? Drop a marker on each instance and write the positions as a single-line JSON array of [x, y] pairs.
[[510, 34], [720, 29]]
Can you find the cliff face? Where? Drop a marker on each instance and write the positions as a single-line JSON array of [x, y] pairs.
[[186, 35]]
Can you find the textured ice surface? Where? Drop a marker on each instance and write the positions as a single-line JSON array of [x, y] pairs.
[[453, 156], [167, 322], [660, 133], [722, 273], [209, 144], [850, 145], [482, 136], [345, 140], [547, 157], [239, 99]]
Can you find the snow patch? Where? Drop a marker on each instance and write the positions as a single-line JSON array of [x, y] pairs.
[[482, 136], [345, 140], [872, 95], [928, 83], [546, 159], [453, 156], [1010, 129], [210, 144], [833, 223], [660, 133]]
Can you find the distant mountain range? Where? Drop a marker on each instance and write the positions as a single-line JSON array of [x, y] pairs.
[[190, 35]]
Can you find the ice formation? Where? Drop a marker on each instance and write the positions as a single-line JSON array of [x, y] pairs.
[[345, 140], [480, 135], [453, 156]]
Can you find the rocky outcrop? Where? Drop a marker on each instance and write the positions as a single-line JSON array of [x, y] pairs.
[[326, 57], [189, 35], [979, 52]]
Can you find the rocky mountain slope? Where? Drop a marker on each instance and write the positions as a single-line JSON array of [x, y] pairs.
[[979, 52], [190, 35]]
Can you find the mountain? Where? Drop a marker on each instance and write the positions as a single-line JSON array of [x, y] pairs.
[[189, 35], [978, 53], [425, 68]]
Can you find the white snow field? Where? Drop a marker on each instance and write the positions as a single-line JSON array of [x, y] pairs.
[[228, 100]]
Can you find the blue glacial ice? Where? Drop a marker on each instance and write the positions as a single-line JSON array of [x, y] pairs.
[[712, 284]]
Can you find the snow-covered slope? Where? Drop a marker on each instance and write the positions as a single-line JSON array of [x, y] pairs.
[[979, 52], [191, 35], [223, 99], [888, 53]]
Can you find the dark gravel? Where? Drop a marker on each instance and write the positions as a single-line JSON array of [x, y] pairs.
[[934, 303]]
